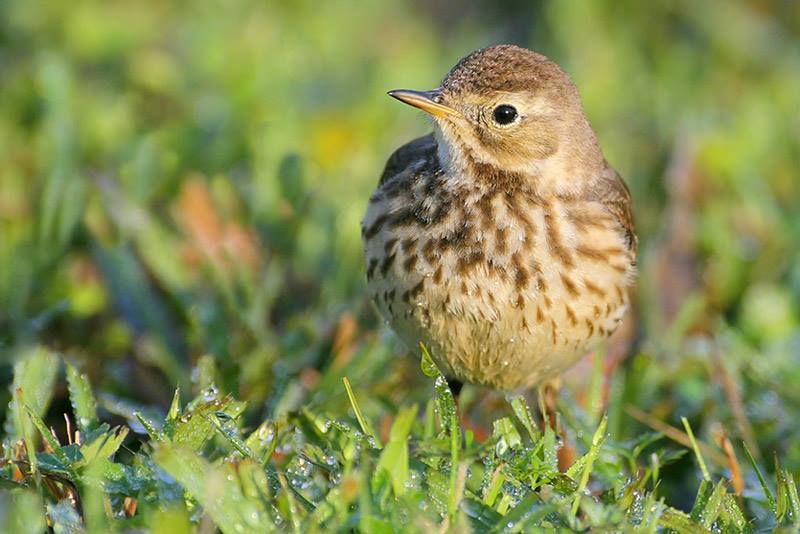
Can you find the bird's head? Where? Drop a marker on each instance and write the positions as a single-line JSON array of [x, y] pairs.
[[510, 108]]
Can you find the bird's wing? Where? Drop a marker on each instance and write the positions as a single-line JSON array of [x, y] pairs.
[[421, 148], [611, 191]]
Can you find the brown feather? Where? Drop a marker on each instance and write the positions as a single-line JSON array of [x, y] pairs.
[[612, 191]]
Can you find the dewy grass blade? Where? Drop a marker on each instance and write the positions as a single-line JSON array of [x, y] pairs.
[[366, 428], [767, 493], [394, 457], [149, 427], [27, 438], [696, 448], [597, 442], [84, 405], [35, 374], [290, 503], [455, 446], [450, 423], [523, 413], [235, 441], [52, 442]]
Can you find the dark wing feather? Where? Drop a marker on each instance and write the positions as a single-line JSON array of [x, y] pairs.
[[421, 148], [611, 191]]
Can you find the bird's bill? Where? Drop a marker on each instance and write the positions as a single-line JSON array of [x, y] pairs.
[[424, 100]]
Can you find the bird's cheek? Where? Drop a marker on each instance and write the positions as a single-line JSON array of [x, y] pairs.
[[540, 140]]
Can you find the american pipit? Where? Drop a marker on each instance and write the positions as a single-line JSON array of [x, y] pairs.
[[503, 240]]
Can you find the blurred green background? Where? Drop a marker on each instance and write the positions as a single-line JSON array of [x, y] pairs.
[[182, 183]]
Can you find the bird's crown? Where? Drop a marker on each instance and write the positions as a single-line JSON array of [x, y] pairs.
[[503, 68]]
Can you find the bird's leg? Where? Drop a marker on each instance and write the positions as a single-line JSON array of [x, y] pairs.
[[548, 398], [463, 408], [455, 386]]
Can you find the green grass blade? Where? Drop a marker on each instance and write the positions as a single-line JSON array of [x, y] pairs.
[[217, 488], [696, 449], [149, 426], [394, 456], [712, 507], [235, 441], [34, 374], [84, 405], [27, 436], [523, 413], [679, 522], [23, 511], [366, 428], [767, 493], [58, 451], [594, 450]]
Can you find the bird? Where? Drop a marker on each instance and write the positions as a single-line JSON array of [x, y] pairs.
[[503, 241]]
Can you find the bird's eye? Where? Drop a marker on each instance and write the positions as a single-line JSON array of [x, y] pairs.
[[504, 114]]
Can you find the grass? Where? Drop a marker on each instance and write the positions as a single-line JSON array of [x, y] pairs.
[[185, 344], [307, 472]]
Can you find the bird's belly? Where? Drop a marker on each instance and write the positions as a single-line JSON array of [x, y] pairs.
[[508, 306]]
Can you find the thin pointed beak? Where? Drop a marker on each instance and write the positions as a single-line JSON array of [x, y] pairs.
[[424, 100]]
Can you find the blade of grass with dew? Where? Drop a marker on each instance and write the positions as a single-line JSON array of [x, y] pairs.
[[194, 428], [787, 501], [529, 512], [711, 508], [216, 487], [93, 495], [174, 408], [767, 493], [24, 511], [149, 426], [34, 374], [506, 436], [696, 449], [84, 405], [262, 442], [450, 424], [394, 456], [291, 505], [680, 522], [103, 445], [233, 440], [494, 488], [732, 514], [26, 435], [366, 428], [52, 442], [597, 442], [523, 413]]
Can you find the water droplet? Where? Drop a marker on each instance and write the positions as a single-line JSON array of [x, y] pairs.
[[210, 393]]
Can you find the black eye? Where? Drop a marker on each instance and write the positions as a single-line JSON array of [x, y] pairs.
[[504, 114]]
